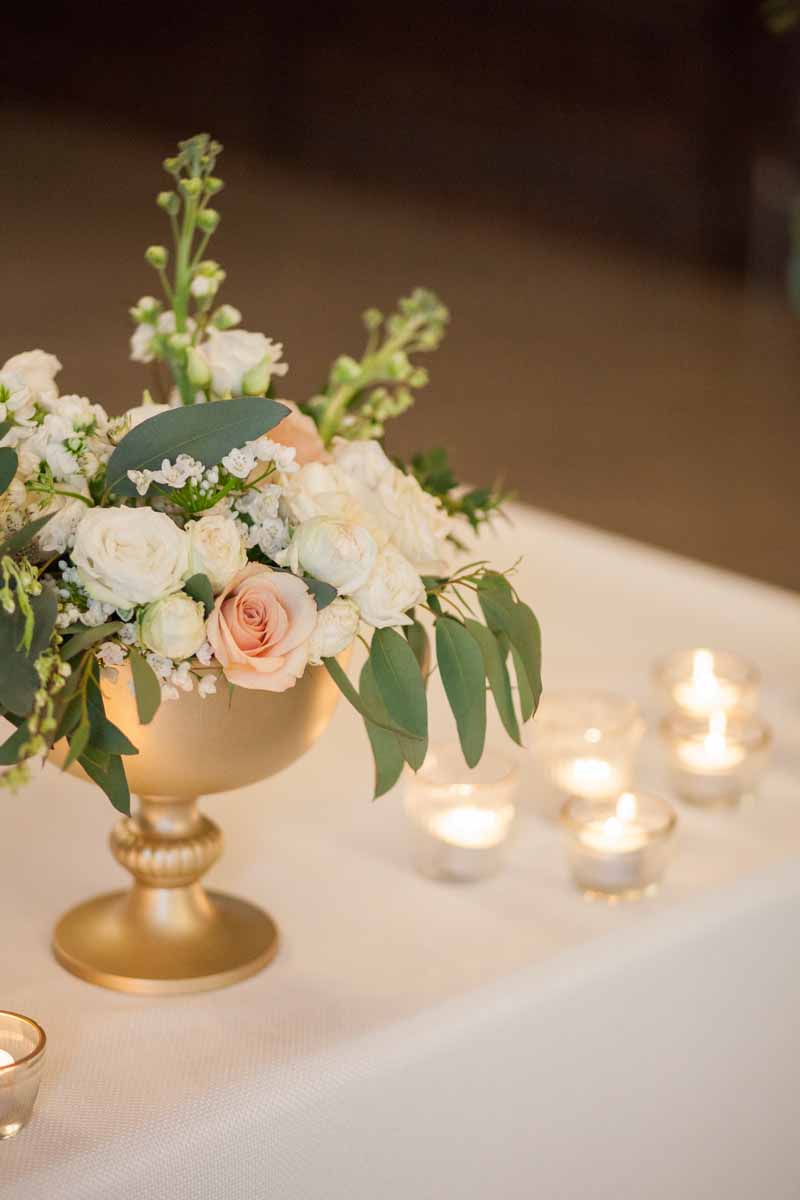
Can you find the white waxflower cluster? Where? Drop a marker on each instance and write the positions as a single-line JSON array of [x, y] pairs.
[[267, 529]]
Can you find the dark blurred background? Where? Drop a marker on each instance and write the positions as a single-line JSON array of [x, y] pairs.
[[600, 190]]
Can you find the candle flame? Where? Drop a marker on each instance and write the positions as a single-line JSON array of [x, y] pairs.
[[703, 668], [626, 807], [715, 740], [613, 828], [593, 735]]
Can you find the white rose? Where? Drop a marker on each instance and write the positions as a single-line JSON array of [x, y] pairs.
[[67, 515], [216, 549], [37, 369], [336, 627], [143, 412], [319, 490], [391, 590], [130, 556], [174, 627], [337, 552], [411, 518], [232, 353]]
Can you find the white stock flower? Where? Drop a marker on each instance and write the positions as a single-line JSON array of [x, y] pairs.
[[37, 369], [391, 590], [174, 627], [130, 556], [337, 552], [143, 334], [232, 353], [411, 518], [336, 627], [216, 549], [67, 514]]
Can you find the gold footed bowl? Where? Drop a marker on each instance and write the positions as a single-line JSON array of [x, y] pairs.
[[167, 934]]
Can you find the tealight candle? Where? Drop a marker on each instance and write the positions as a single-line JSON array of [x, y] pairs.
[[718, 761], [460, 819], [618, 850], [701, 682], [586, 742], [22, 1046]]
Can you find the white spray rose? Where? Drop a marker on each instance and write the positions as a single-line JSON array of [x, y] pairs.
[[336, 627], [391, 590], [232, 353], [319, 490], [174, 627], [130, 556], [411, 518], [37, 370], [337, 552], [216, 549]]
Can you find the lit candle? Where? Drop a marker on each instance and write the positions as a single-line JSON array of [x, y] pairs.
[[6, 1059], [715, 752], [618, 833], [705, 692], [594, 778], [469, 826], [620, 850]]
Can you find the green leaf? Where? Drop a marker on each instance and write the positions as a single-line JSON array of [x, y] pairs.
[[494, 664], [23, 537], [402, 690], [386, 747], [89, 636], [78, 740], [104, 734], [145, 682], [323, 593], [340, 678], [8, 467], [527, 700], [9, 751], [505, 615], [206, 432], [199, 588], [461, 667], [19, 680], [417, 637], [110, 775]]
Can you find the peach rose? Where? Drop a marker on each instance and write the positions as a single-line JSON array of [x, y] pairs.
[[260, 626], [300, 432]]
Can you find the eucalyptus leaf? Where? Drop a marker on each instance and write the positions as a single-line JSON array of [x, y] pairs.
[[417, 637], [23, 537], [104, 734], [505, 615], [9, 751], [494, 664], [78, 740], [463, 677], [323, 593], [402, 689], [199, 588], [527, 700], [19, 680], [8, 467], [386, 747], [206, 432], [89, 636], [350, 693], [110, 776], [145, 684]]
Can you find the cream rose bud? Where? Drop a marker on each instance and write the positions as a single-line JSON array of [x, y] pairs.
[[336, 627], [391, 590], [340, 553], [130, 556], [174, 627], [216, 549], [37, 369]]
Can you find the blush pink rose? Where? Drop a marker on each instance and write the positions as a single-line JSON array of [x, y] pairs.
[[260, 626], [300, 432]]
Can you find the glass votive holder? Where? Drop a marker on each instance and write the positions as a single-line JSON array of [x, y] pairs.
[[701, 682], [618, 850], [586, 742], [715, 762], [22, 1046], [461, 818]]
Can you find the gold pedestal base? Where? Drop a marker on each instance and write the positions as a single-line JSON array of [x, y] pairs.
[[163, 941]]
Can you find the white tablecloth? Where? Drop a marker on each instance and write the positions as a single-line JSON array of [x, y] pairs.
[[417, 1041]]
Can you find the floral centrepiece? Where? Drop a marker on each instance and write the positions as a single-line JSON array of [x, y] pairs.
[[222, 536]]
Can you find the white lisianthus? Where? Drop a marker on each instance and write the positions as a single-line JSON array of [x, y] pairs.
[[336, 627], [411, 518], [174, 627], [337, 552], [319, 490], [37, 369], [233, 353], [130, 556], [391, 590], [216, 549]]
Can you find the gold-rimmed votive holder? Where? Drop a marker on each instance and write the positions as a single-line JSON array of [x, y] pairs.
[[715, 763], [700, 682], [586, 742], [618, 850], [22, 1048], [461, 818]]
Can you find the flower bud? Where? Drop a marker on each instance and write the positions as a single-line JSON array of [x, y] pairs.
[[157, 257], [174, 627], [226, 317], [256, 381], [372, 318], [197, 368], [213, 185], [171, 165], [179, 341], [169, 202], [208, 220], [345, 370], [191, 187]]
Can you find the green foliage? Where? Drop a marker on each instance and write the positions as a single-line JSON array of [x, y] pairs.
[[433, 472], [90, 636], [386, 746], [19, 541], [23, 637], [146, 686], [322, 592], [402, 689], [8, 467], [494, 665], [206, 432], [506, 615], [108, 773], [199, 588], [417, 637], [461, 667]]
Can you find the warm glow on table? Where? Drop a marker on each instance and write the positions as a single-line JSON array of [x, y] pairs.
[[470, 826], [705, 692], [6, 1059], [594, 778]]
